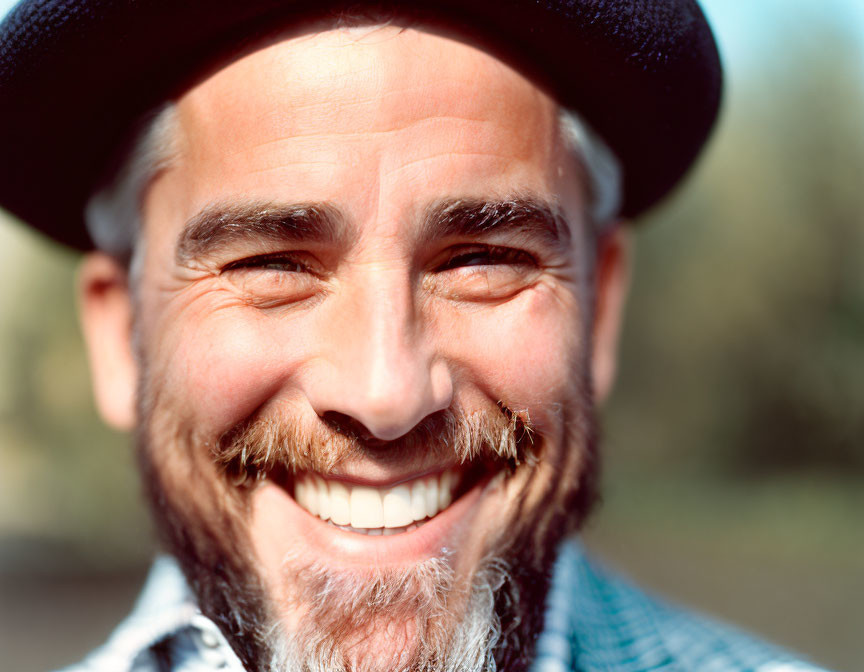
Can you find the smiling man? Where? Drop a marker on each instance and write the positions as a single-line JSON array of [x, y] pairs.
[[357, 290]]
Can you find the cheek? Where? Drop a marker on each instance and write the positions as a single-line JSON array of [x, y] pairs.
[[524, 352], [220, 366]]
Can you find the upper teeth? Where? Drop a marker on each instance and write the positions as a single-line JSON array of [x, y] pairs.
[[364, 507]]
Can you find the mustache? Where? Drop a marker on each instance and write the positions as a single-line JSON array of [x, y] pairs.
[[262, 444]]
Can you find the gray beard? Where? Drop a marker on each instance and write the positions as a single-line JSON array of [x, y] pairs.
[[500, 617], [500, 606], [347, 608]]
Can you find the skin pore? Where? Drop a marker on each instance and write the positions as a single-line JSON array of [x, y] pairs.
[[368, 264]]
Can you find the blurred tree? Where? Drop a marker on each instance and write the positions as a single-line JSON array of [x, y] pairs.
[[745, 348], [68, 494]]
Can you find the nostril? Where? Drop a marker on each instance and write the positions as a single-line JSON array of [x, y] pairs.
[[351, 427]]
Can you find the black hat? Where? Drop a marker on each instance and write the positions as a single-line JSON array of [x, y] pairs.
[[75, 75]]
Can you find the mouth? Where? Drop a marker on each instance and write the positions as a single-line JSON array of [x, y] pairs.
[[427, 498], [386, 509]]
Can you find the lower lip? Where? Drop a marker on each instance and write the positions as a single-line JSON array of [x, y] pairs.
[[444, 531]]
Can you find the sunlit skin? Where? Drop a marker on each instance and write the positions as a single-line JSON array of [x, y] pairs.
[[385, 324]]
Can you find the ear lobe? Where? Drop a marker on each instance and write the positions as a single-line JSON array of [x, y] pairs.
[[105, 306], [612, 282]]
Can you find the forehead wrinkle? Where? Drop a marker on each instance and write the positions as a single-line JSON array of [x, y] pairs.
[[308, 81], [294, 164], [219, 225], [438, 156], [358, 134], [301, 139]]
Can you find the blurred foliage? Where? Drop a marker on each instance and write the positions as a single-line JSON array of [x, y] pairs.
[[68, 492], [744, 351]]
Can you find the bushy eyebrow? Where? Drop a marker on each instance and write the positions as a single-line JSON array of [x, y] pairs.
[[470, 218], [218, 226]]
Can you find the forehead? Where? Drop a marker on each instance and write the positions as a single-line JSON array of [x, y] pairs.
[[374, 119]]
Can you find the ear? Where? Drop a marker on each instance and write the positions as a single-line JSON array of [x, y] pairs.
[[105, 305], [612, 282]]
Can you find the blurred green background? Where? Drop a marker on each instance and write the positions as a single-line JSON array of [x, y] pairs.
[[734, 442]]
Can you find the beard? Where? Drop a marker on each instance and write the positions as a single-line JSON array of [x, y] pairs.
[[387, 619], [424, 618]]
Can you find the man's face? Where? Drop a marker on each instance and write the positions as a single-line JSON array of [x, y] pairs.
[[365, 277]]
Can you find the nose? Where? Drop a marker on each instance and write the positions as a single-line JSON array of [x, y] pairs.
[[378, 374]]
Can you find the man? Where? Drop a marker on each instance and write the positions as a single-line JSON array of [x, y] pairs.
[[358, 287]]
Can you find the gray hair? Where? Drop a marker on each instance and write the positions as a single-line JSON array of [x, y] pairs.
[[602, 170], [113, 213]]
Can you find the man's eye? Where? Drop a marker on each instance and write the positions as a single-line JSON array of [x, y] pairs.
[[274, 279], [488, 256], [270, 262], [483, 273]]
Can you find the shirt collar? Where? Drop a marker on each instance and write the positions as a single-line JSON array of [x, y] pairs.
[[166, 609]]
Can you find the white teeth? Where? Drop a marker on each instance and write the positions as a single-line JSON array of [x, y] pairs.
[[372, 510], [418, 500], [340, 503], [306, 494], [323, 498], [397, 507], [300, 492], [431, 484], [445, 490], [311, 494], [366, 507]]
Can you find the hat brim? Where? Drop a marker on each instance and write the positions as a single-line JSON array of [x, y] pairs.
[[75, 76]]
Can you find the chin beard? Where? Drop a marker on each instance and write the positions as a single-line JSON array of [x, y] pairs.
[[423, 619], [394, 620]]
